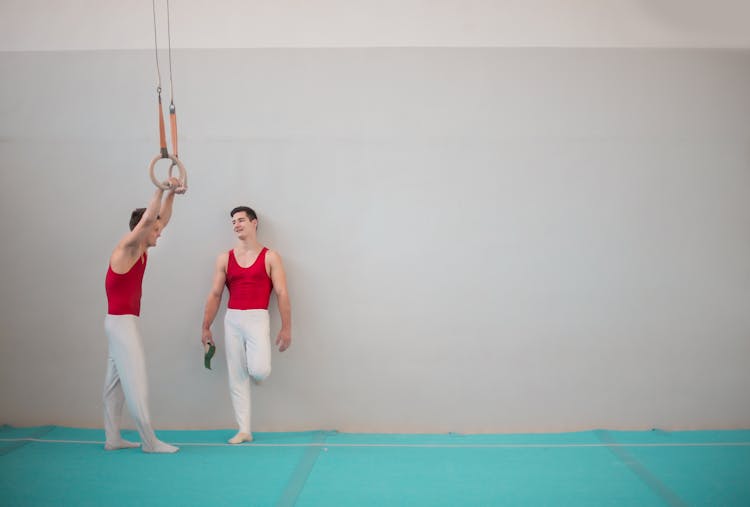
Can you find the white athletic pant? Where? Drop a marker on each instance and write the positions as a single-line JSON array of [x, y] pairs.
[[247, 337], [126, 380]]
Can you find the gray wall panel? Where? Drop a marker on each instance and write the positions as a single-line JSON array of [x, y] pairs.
[[475, 239]]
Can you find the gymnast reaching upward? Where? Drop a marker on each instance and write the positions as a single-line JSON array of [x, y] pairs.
[[126, 367]]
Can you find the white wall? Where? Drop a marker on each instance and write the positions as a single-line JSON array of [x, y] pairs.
[[53, 25], [476, 239]]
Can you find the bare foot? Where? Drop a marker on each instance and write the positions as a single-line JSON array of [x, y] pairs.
[[161, 447], [241, 437], [120, 444]]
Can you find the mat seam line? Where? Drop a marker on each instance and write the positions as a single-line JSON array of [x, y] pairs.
[[640, 471]]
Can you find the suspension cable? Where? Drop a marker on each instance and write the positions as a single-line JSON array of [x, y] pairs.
[[156, 49], [169, 41], [164, 152]]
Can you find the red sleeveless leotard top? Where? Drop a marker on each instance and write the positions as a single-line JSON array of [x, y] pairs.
[[249, 288], [124, 291]]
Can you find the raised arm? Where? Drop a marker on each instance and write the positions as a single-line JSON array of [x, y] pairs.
[[143, 228], [214, 297], [129, 248], [165, 213], [278, 277]]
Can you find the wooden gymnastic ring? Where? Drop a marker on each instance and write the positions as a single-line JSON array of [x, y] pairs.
[[175, 162]]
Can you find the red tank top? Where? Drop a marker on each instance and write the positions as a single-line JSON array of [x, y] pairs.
[[124, 291], [249, 288]]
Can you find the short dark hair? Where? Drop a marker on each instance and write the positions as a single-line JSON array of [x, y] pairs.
[[249, 211], [136, 215]]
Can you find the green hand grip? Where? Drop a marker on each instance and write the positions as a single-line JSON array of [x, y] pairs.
[[210, 350]]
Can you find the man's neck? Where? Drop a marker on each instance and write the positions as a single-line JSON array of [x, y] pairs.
[[248, 245]]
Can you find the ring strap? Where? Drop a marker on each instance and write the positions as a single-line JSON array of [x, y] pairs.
[[162, 134], [173, 126]]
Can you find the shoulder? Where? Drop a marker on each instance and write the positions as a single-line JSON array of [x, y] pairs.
[[124, 255], [272, 255], [222, 260], [273, 261], [130, 242]]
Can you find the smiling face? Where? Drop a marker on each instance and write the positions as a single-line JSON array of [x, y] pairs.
[[243, 226]]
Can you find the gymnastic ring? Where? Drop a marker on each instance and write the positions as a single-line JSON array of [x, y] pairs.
[[175, 162]]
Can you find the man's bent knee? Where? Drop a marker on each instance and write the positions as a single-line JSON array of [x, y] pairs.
[[260, 374]]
